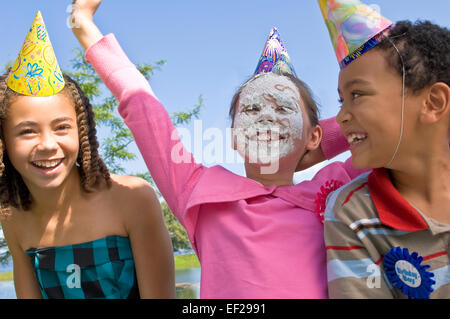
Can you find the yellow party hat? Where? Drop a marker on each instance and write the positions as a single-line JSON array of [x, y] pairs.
[[36, 71]]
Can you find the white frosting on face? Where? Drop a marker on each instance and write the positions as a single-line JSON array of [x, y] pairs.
[[268, 118]]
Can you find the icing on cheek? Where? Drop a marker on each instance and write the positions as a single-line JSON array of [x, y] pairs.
[[269, 119]]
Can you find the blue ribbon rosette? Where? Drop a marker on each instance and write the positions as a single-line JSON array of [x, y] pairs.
[[405, 272]]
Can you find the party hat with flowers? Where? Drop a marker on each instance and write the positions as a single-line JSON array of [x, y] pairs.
[[354, 27], [274, 57], [36, 71]]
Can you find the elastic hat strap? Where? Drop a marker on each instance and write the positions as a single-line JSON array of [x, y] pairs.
[[403, 103]]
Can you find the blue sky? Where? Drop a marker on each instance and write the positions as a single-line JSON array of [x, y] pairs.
[[211, 47]]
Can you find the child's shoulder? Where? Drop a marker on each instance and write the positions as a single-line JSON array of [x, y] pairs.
[[6, 219], [14, 222], [351, 202], [129, 181], [135, 201], [130, 194], [13, 217], [131, 188]]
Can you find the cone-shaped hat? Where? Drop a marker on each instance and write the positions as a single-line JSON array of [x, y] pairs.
[[36, 71], [274, 57], [354, 27]]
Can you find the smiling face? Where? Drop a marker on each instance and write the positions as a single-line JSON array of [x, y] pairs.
[[269, 120], [371, 112], [41, 139]]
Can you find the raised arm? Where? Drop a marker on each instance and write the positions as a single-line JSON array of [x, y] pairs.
[[83, 26], [172, 167]]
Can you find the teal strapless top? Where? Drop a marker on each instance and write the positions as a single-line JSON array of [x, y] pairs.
[[101, 269]]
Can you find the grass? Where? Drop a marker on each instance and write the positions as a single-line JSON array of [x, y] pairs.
[[186, 262], [181, 262]]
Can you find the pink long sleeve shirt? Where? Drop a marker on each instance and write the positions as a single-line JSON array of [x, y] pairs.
[[253, 241]]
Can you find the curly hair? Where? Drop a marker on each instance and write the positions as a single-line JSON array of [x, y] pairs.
[[424, 48], [91, 168]]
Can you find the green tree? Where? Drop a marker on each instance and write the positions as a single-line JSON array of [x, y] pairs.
[[114, 148], [4, 252], [180, 240]]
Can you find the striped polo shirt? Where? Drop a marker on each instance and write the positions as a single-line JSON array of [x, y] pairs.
[[380, 246]]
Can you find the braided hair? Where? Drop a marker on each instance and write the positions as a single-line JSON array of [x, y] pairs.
[[91, 168]]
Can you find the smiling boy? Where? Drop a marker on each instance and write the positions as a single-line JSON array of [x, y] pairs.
[[387, 233]]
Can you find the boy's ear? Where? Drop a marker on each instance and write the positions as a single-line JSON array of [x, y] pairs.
[[437, 103], [315, 138]]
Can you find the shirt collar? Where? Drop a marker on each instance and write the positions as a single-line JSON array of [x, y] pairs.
[[393, 209], [217, 184]]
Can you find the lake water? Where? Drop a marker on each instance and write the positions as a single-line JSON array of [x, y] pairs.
[[7, 290], [190, 276]]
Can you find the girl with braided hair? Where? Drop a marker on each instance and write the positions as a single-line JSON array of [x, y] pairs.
[[73, 229]]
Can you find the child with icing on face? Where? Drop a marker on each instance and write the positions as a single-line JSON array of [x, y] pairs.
[[73, 229], [257, 236], [388, 231]]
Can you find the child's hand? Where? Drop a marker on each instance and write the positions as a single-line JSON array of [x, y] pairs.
[[84, 27], [85, 8]]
